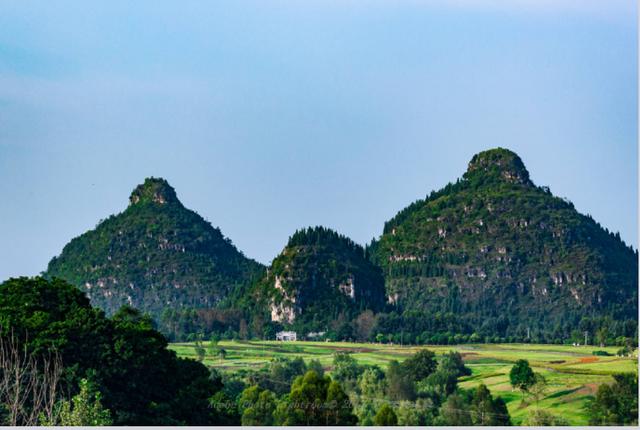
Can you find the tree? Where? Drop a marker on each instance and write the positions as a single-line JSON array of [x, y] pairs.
[[364, 324], [200, 352], [380, 338], [386, 416], [455, 412], [85, 409], [485, 411], [521, 376], [315, 400], [243, 330], [141, 381], [28, 384], [338, 407], [372, 383], [399, 385], [539, 388], [616, 404], [316, 366], [418, 413], [439, 384], [452, 362], [222, 353], [257, 407], [345, 368], [420, 365]]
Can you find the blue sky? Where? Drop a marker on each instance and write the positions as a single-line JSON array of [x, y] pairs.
[[267, 116]]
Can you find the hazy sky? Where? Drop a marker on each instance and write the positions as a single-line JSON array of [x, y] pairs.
[[267, 116]]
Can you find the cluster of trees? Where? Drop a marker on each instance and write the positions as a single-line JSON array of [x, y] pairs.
[[617, 403], [77, 366], [419, 391], [407, 328]]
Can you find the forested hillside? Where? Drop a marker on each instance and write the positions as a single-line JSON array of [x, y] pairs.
[[492, 255], [156, 256], [320, 282]]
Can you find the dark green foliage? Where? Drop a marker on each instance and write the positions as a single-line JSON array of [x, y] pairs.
[[521, 376], [324, 279], [386, 416], [487, 411], [455, 412], [616, 404], [420, 365], [279, 374], [316, 367], [440, 384], [315, 400], [257, 407], [400, 385], [157, 255], [141, 381], [346, 369], [452, 362], [497, 258]]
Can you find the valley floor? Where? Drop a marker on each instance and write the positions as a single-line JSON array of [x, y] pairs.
[[573, 372]]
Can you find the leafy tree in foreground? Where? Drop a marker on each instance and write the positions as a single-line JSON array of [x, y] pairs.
[[539, 388], [487, 411], [616, 404], [257, 407], [420, 365], [346, 369], [85, 409], [452, 362], [455, 412], [141, 381], [521, 376], [315, 400], [400, 386], [386, 416]]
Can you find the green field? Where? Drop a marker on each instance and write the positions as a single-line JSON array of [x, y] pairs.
[[573, 372]]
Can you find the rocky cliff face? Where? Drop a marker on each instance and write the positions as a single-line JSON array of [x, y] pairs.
[[155, 255], [495, 246]]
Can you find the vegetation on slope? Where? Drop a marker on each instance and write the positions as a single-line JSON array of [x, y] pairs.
[[156, 255], [495, 255], [139, 381], [320, 282]]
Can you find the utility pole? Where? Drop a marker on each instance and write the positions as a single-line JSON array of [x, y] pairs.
[[586, 337]]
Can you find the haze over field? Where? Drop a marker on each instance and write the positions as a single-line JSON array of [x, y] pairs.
[[268, 116]]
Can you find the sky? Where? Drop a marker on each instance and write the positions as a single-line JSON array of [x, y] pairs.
[[268, 116]]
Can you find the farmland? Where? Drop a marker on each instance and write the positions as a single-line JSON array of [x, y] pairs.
[[573, 372]]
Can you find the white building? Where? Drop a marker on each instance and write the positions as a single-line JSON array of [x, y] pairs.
[[286, 335]]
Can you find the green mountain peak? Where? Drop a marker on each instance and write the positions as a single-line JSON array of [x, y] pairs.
[[154, 190], [498, 164]]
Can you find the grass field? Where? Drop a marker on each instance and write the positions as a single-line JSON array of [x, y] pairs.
[[573, 372]]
